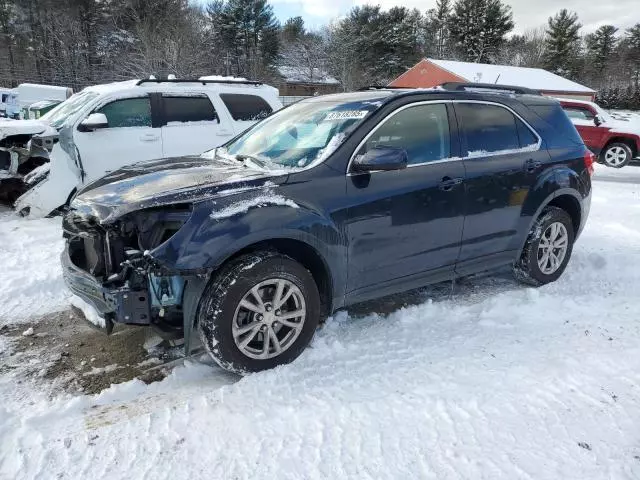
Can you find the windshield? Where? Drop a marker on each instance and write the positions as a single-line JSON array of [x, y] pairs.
[[58, 116], [301, 135]]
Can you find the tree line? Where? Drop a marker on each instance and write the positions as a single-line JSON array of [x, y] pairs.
[[83, 42]]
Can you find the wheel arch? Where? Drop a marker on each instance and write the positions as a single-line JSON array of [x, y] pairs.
[[303, 253], [630, 142]]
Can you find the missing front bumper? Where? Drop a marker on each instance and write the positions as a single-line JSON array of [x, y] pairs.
[[119, 305]]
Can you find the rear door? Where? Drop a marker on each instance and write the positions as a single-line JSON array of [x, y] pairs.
[[129, 138], [191, 125], [502, 160], [405, 226]]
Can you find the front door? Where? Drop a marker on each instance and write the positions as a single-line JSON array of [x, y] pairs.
[[406, 225], [502, 159], [129, 138]]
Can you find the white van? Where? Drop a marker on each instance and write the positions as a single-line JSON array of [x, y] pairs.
[[106, 127], [29, 93]]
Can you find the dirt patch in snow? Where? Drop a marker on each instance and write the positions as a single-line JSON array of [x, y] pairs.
[[63, 349]]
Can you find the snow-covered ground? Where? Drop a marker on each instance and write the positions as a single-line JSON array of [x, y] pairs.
[[495, 382]]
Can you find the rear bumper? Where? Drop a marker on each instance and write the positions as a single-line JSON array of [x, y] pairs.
[[120, 305]]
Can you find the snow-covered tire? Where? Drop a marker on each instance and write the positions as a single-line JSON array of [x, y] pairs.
[[528, 267], [616, 155], [222, 312]]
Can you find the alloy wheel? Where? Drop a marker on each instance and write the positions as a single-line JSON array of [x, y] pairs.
[[615, 156], [553, 248], [269, 319]]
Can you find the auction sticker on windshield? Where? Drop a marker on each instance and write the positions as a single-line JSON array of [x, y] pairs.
[[346, 115]]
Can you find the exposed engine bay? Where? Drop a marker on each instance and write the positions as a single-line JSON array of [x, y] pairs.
[[24, 146]]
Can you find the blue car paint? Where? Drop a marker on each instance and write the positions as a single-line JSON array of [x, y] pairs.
[[376, 233]]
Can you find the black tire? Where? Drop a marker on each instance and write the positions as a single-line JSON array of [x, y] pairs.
[[527, 269], [222, 296], [616, 147]]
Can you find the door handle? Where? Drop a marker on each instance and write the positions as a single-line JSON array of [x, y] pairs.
[[447, 183], [150, 138], [532, 165]]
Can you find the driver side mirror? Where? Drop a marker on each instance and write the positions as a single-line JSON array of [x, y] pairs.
[[598, 120], [381, 158], [95, 121]]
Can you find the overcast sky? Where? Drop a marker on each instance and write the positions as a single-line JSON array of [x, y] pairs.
[[527, 13]]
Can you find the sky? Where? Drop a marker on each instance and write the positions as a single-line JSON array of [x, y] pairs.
[[527, 13]]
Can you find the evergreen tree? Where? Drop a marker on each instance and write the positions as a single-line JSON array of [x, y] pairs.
[[293, 29], [440, 26], [632, 41], [600, 46], [478, 28], [562, 46]]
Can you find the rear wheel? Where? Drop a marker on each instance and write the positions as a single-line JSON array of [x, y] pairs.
[[617, 155], [260, 311], [548, 248]]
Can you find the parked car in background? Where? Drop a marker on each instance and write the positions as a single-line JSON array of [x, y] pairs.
[[36, 110], [24, 146], [615, 141], [106, 127], [332, 201]]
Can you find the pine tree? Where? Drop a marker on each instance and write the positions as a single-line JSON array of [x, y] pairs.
[[632, 41], [562, 46], [600, 46], [440, 25], [479, 28]]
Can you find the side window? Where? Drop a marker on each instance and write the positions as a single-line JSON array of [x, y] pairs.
[[487, 128], [579, 113], [423, 131], [189, 109], [4, 97], [527, 137], [130, 112], [246, 107]]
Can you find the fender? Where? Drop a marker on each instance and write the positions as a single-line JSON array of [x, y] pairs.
[[564, 181], [204, 243]]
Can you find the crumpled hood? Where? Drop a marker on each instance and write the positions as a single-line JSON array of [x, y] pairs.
[[166, 181], [10, 127]]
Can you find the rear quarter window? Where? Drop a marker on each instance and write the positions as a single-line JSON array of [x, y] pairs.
[[244, 107], [558, 123]]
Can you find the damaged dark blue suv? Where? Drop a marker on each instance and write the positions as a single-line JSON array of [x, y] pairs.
[[329, 202]]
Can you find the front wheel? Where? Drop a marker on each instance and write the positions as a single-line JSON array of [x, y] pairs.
[[548, 248], [260, 311], [617, 155]]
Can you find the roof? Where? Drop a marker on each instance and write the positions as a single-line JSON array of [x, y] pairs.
[[233, 85], [303, 75], [535, 78]]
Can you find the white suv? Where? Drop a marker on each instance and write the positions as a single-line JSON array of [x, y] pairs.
[[106, 127]]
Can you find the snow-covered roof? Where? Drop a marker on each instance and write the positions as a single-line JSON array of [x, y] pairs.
[[304, 75], [534, 78]]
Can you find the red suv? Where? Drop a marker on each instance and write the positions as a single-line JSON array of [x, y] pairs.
[[616, 142]]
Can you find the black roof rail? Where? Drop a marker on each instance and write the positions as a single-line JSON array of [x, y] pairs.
[[197, 80], [463, 86]]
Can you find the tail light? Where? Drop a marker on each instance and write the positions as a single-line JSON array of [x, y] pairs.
[[589, 160]]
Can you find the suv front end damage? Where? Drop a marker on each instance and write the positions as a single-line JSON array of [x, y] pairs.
[[111, 268]]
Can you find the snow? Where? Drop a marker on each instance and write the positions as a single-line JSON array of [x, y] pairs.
[[21, 127], [31, 281], [482, 153], [494, 381], [293, 74], [90, 313], [534, 78], [243, 206]]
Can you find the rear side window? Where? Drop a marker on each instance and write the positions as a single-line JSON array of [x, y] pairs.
[[487, 128], [423, 131], [130, 112], [189, 109], [579, 113], [4, 98], [246, 107], [527, 137]]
